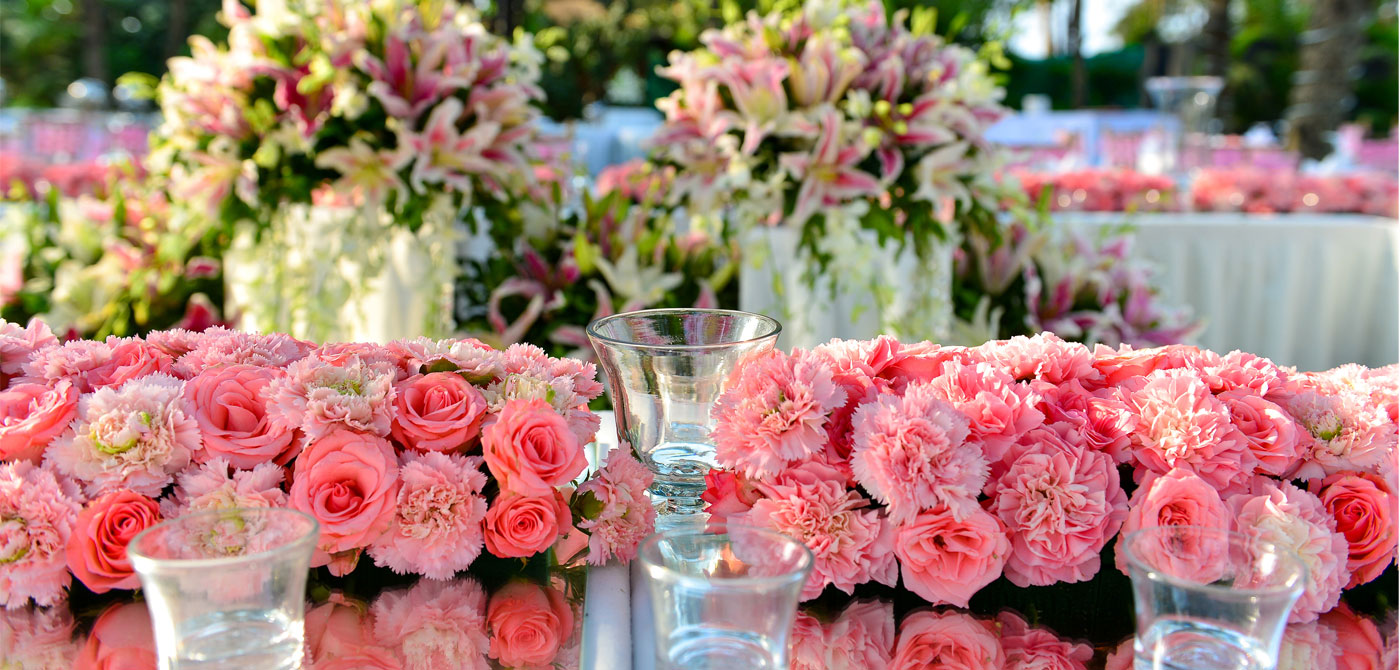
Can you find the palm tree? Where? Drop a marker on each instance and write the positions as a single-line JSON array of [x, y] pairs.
[[1324, 85]]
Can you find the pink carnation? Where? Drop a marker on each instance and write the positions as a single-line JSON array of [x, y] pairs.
[[18, 343], [220, 347], [1038, 649], [1343, 430], [434, 624], [377, 357], [238, 423], [1178, 498], [32, 415], [945, 560], [317, 396], [850, 542], [1296, 520], [215, 484], [93, 365], [38, 637], [947, 641], [626, 514], [774, 412], [436, 529], [474, 359], [911, 454], [1240, 371], [807, 648], [861, 638], [175, 342], [1045, 357], [37, 515], [998, 409], [1181, 424], [1385, 389], [1308, 646], [1060, 507], [136, 436]]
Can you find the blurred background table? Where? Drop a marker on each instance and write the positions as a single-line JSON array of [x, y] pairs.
[[1312, 291]]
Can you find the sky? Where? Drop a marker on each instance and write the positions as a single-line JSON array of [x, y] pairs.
[[1099, 17]]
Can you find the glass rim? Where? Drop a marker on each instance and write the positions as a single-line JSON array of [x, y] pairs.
[[140, 559], [649, 545], [1296, 582], [594, 334]]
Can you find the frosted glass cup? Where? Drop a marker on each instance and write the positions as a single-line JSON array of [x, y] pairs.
[[724, 596], [665, 368], [1209, 599], [226, 588]]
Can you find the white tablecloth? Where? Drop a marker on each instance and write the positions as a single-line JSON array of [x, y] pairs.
[[607, 606], [1314, 291]]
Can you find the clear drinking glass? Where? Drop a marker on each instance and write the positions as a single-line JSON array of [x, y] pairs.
[[227, 588], [724, 595], [1209, 599], [665, 368]]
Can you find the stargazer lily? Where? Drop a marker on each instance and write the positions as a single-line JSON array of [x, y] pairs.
[[829, 173]]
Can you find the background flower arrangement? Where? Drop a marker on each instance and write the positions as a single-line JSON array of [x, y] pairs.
[[945, 469], [564, 258], [121, 261], [420, 457]]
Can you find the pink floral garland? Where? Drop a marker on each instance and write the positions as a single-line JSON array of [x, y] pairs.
[[948, 467], [392, 448]]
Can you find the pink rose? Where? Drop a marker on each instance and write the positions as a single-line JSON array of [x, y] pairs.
[[530, 449], [1270, 432], [362, 658], [528, 623], [439, 411], [336, 628], [32, 415], [1178, 498], [947, 641], [94, 365], [862, 636], [1365, 515], [121, 639], [1121, 658], [231, 405], [1359, 643], [97, 549], [944, 560], [38, 637], [518, 526], [1038, 649], [727, 494], [349, 482]]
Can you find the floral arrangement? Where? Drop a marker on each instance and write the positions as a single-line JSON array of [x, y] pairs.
[[119, 262], [419, 456], [1271, 191], [562, 260], [385, 103], [944, 468], [24, 179], [1078, 285], [832, 117], [1094, 190], [454, 623]]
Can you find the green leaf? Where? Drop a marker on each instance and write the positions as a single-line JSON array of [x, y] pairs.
[[585, 254]]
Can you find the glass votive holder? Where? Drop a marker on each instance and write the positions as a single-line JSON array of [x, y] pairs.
[[724, 595], [226, 588], [1207, 598]]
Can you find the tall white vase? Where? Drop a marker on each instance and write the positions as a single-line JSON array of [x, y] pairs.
[[343, 274], [889, 291]]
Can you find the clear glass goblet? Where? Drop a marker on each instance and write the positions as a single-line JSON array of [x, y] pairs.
[[665, 368]]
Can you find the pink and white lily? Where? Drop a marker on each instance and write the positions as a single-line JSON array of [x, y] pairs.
[[373, 174], [406, 88], [445, 154], [830, 174]]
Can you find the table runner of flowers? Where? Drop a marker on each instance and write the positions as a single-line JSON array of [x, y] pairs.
[[419, 458], [940, 469]]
